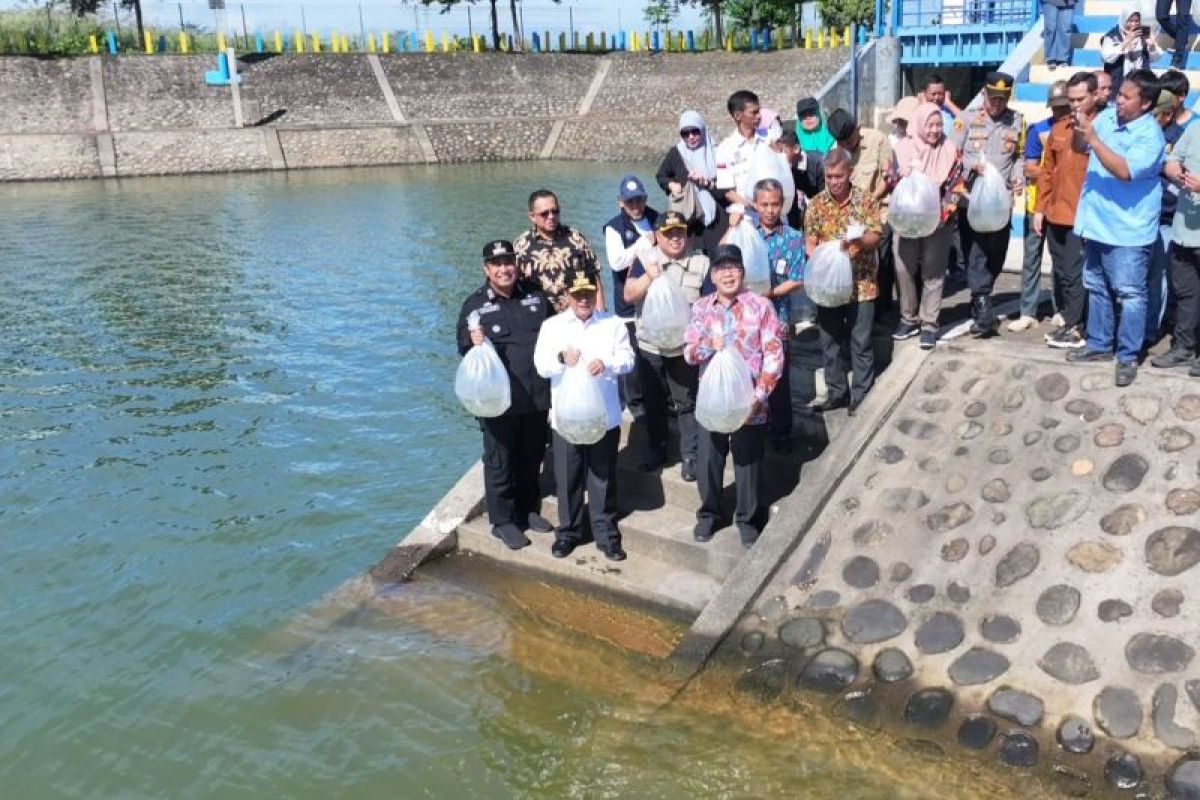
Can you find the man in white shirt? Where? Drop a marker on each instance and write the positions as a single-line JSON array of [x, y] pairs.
[[735, 150], [583, 338]]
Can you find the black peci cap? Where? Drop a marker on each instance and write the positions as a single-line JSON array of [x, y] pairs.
[[500, 248], [807, 105], [724, 253]]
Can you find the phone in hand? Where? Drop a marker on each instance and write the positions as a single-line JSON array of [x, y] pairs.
[[1146, 31]]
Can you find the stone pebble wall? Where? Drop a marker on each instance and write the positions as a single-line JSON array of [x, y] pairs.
[[353, 147], [48, 157], [171, 152], [495, 141], [40, 96], [163, 92], [315, 89]]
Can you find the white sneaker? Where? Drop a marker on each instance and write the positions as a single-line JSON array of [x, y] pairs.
[[1022, 324], [1057, 320], [805, 324]]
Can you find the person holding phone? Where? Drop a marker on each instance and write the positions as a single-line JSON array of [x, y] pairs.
[[1128, 46]]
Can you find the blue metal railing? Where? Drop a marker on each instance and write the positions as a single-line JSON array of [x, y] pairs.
[[964, 32]]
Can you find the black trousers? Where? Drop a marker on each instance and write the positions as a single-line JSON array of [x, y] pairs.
[[886, 275], [629, 385], [846, 344], [1066, 249], [671, 378], [593, 466], [1177, 27], [779, 402], [1185, 288], [985, 256], [746, 445], [513, 447]]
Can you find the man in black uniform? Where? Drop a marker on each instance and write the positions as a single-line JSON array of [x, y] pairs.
[[511, 313]]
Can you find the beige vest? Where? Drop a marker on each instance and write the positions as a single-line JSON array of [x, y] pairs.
[[689, 274]]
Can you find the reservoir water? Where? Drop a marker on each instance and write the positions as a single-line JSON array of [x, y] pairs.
[[223, 398]]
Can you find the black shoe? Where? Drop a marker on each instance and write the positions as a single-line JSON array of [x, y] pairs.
[[985, 324], [1175, 357], [1086, 356], [748, 533], [655, 459], [562, 548], [1194, 372], [851, 409], [687, 470], [538, 524], [905, 330], [833, 405], [782, 443], [704, 530], [1065, 339], [928, 340], [1124, 374], [512, 536], [613, 551]]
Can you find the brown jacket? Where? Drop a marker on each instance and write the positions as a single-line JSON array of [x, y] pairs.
[[1060, 180]]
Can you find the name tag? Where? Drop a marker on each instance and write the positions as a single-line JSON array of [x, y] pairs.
[[781, 267], [531, 301], [488, 308]]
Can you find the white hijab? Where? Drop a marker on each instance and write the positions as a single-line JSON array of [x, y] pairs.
[[703, 160]]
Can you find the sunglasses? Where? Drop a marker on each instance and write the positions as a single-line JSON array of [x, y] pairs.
[[549, 212], [687, 132]]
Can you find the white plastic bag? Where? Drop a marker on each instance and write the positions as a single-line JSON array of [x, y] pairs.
[[769, 163], [579, 413], [482, 382], [664, 314], [916, 208], [989, 207], [829, 276], [754, 256], [726, 392]]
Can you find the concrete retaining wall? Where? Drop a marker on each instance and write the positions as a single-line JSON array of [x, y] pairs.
[[136, 115]]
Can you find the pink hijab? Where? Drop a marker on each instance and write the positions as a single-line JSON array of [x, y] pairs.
[[913, 152]]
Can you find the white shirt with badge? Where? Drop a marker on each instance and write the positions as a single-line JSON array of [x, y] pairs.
[[733, 158], [602, 337]]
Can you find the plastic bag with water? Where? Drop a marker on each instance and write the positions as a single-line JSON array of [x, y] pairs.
[[829, 276], [916, 208], [665, 314], [754, 256], [990, 205], [726, 392], [579, 413], [482, 382], [768, 163]]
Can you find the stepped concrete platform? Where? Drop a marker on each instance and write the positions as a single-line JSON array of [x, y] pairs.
[[1006, 568]]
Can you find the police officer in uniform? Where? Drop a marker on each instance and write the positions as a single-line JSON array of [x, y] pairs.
[[511, 313], [992, 133]]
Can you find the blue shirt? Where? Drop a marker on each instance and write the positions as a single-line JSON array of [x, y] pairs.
[[1116, 212], [1035, 139], [785, 254]]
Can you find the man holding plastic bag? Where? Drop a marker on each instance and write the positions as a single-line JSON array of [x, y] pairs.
[[508, 316], [992, 141], [583, 352], [848, 219], [663, 284], [744, 323]]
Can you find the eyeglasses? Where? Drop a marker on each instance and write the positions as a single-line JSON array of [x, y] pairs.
[[549, 212], [687, 132]]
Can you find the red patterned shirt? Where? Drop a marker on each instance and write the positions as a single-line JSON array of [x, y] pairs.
[[750, 324]]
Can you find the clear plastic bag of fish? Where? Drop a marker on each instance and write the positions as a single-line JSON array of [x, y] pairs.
[[989, 207], [754, 256], [915, 209], [726, 392], [482, 382], [579, 413], [768, 163], [664, 314], [829, 276]]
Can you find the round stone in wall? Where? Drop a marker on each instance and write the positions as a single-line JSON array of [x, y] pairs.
[[1124, 771], [1183, 780], [752, 642], [826, 598], [987, 544], [1017, 563], [1086, 410], [999, 456], [1094, 381], [1162, 714], [861, 572], [1183, 501], [1049, 423], [1058, 604], [764, 682], [891, 454], [1174, 439], [1082, 466], [957, 592], [1173, 550], [940, 633], [1142, 409], [995, 491], [1123, 519], [1014, 398], [955, 550], [1052, 386], [1075, 735], [1019, 370], [873, 621], [1032, 437], [892, 666], [1053, 510], [934, 405], [900, 572], [1157, 654], [1110, 435], [1126, 473], [976, 408], [955, 483], [1166, 603], [949, 517], [962, 451], [1118, 711], [903, 499], [860, 708], [1188, 408], [928, 708], [830, 670], [1071, 782], [1113, 610], [918, 429], [1094, 557], [1070, 663], [873, 533], [999, 628], [1001, 428], [978, 665], [1067, 443], [1018, 749], [1016, 706], [976, 732], [802, 632], [920, 593], [930, 464], [1040, 474]]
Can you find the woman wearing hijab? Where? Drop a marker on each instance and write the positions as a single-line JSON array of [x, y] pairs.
[[927, 151], [1127, 46], [810, 126], [688, 175]]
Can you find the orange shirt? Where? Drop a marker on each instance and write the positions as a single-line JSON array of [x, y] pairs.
[[1060, 180]]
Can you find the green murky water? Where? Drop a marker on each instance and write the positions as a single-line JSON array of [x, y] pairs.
[[221, 398]]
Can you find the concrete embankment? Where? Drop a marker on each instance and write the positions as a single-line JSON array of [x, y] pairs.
[[105, 116]]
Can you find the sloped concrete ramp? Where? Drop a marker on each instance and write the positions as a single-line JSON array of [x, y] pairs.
[[1009, 571]]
